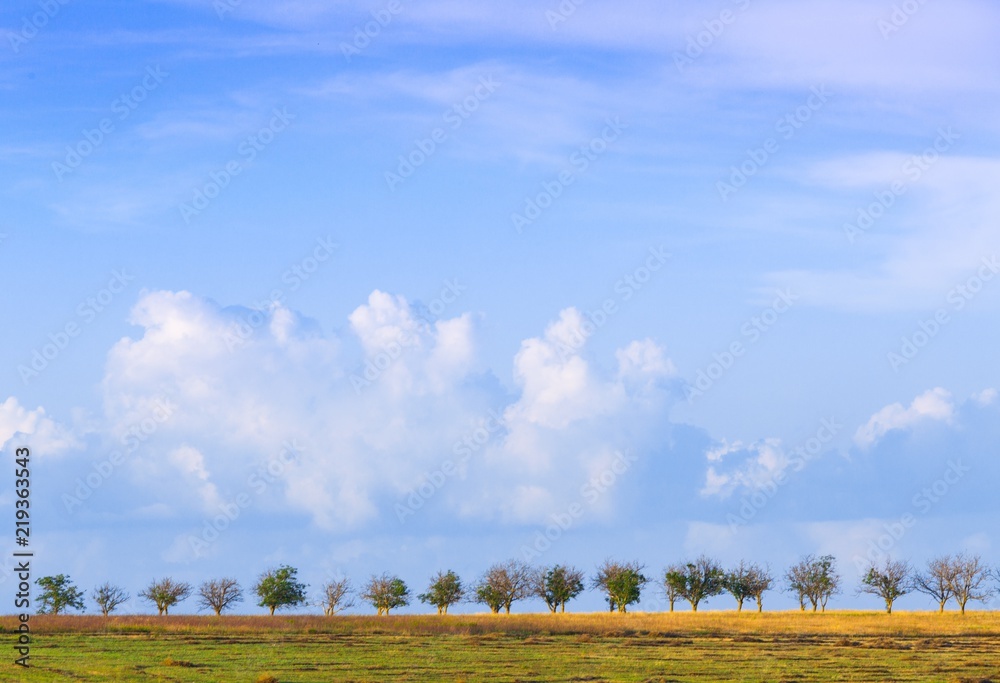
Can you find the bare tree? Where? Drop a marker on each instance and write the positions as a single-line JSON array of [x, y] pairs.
[[968, 576], [891, 580], [621, 583], [748, 581], [699, 580], [219, 594], [505, 583], [336, 598], [938, 581], [166, 593], [386, 592], [110, 597]]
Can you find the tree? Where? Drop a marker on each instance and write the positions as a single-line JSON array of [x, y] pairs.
[[797, 580], [938, 581], [748, 581], [386, 592], [825, 581], [669, 587], [558, 585], [165, 594], [58, 593], [504, 584], [278, 588], [445, 590], [889, 581], [968, 574], [621, 582], [336, 598], [815, 579], [760, 582], [698, 580], [109, 597], [219, 594]]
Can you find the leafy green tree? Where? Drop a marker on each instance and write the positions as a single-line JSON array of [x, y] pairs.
[[166, 593], [814, 579], [889, 581], [445, 590], [58, 594], [386, 592], [670, 588], [621, 583], [759, 582], [558, 585], [697, 580], [109, 597], [279, 588], [748, 581]]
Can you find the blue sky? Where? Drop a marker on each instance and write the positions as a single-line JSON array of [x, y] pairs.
[[406, 284]]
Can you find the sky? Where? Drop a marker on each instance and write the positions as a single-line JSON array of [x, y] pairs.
[[389, 286]]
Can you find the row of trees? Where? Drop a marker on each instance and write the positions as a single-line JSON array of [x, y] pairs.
[[814, 580]]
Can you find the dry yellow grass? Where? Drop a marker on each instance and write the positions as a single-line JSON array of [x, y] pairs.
[[837, 623]]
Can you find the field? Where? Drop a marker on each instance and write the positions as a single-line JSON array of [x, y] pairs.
[[708, 646]]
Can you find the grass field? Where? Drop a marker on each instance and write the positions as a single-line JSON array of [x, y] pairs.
[[708, 646]]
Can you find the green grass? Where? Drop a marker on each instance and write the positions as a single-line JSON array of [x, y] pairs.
[[710, 646]]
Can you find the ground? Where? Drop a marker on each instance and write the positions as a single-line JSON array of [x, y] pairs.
[[708, 646]]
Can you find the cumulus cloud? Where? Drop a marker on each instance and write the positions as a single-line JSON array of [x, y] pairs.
[[243, 383], [20, 426], [933, 405]]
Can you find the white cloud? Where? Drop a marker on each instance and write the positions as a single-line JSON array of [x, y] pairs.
[[935, 405], [191, 464], [758, 464], [32, 428], [928, 242], [985, 397], [368, 430]]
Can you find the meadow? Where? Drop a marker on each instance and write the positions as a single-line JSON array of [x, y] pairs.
[[643, 647]]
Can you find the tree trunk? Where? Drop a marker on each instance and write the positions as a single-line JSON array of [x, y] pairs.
[[272, 609], [760, 605], [694, 605], [563, 608], [739, 605], [888, 606]]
